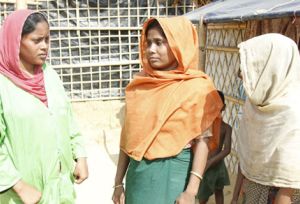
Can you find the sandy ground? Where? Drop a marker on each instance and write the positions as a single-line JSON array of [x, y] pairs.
[[100, 124]]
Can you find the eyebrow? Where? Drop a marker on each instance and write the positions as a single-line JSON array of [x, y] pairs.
[[156, 39]]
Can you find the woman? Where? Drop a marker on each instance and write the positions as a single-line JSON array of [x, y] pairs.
[[170, 110], [41, 151], [268, 144]]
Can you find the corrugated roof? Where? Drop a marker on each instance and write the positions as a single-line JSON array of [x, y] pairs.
[[243, 10]]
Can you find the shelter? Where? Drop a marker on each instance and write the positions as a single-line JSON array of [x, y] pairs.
[[222, 25]]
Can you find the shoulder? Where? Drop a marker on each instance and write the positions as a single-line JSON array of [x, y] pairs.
[[200, 85], [49, 71], [47, 68]]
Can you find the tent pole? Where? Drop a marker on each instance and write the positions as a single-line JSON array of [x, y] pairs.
[[202, 44]]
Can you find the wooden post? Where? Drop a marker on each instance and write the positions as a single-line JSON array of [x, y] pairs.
[[202, 44], [21, 4]]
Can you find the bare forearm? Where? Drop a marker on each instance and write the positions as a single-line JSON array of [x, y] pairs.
[[216, 159], [198, 166], [122, 167], [26, 192]]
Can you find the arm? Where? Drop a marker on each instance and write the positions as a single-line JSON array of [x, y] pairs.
[[10, 177], [77, 140], [27, 193], [118, 195], [8, 172], [225, 151], [238, 185], [199, 161], [79, 154]]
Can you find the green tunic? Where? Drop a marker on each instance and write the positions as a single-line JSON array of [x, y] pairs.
[[38, 144]]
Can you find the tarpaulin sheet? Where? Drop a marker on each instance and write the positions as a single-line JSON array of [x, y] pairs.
[[243, 10]]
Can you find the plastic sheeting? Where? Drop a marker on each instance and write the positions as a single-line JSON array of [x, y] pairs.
[[243, 10]]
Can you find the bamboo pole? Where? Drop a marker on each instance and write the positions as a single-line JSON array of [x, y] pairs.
[[235, 100], [226, 26], [202, 44], [224, 49]]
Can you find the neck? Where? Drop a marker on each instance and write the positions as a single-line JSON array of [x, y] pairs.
[[27, 69]]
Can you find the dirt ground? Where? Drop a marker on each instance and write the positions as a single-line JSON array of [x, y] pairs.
[[100, 122]]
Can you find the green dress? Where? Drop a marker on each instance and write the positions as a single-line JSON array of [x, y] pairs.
[[38, 144]]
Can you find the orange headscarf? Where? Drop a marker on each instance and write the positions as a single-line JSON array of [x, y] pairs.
[[165, 110]]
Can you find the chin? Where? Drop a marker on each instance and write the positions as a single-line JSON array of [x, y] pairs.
[[157, 67], [40, 63]]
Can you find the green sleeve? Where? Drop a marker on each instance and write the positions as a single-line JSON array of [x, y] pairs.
[[77, 140], [8, 173]]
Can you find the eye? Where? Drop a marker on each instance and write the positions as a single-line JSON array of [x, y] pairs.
[[159, 43], [36, 41], [47, 39], [149, 43]]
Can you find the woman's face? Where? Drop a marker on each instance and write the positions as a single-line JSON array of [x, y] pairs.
[[158, 52], [34, 46]]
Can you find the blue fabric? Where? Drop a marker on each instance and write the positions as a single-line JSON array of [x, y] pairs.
[[237, 10]]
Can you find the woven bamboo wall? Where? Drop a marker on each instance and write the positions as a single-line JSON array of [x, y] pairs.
[[222, 64]]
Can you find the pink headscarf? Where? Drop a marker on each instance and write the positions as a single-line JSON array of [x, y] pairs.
[[10, 39]]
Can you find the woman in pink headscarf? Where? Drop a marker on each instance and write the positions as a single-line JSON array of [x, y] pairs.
[[41, 151]]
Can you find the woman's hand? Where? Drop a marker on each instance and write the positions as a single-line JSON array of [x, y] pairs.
[[119, 196], [186, 198], [27, 193], [81, 172]]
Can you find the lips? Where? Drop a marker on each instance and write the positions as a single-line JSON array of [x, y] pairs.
[[43, 55], [153, 59]]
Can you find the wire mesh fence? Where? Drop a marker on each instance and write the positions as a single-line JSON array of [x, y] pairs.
[[6, 7], [94, 43], [94, 49]]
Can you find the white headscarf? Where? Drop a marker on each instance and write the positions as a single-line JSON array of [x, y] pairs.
[[269, 140]]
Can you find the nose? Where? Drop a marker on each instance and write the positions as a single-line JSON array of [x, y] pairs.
[[152, 48], [44, 45]]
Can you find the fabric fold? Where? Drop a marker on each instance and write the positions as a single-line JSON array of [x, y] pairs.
[[177, 105], [269, 139]]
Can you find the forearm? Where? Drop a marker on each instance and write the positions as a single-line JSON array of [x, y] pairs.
[[19, 186], [216, 159], [121, 168], [198, 166], [9, 174], [77, 139]]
